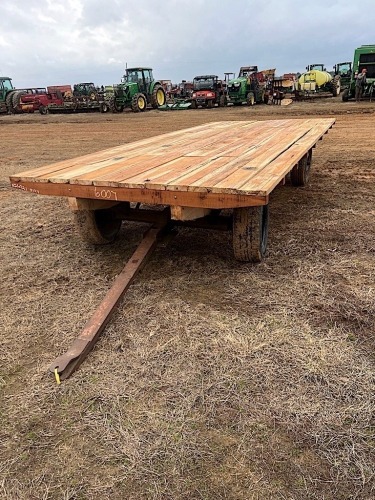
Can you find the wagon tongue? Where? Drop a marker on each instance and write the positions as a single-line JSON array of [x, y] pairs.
[[67, 363]]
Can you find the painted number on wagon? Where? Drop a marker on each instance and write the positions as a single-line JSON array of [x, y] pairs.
[[105, 194]]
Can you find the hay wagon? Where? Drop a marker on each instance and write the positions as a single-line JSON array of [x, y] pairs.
[[192, 175]]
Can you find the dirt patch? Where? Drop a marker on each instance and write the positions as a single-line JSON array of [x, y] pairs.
[[215, 380]]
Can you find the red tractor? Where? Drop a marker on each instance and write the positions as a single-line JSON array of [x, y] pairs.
[[208, 90]]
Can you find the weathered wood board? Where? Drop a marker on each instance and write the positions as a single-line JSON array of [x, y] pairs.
[[215, 165]]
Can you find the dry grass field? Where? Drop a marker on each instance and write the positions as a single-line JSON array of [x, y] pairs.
[[215, 380]]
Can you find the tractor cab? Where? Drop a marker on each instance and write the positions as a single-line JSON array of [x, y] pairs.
[[246, 71], [5, 87], [316, 67], [343, 69], [84, 89], [141, 77]]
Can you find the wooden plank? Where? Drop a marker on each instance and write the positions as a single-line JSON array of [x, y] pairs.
[[203, 179], [76, 204], [233, 158], [114, 152], [151, 196], [188, 213]]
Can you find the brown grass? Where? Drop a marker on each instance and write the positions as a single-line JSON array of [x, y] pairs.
[[215, 380]]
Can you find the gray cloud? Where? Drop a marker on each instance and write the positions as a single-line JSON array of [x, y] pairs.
[[46, 42]]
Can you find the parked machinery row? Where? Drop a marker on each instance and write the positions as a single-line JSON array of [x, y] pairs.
[[139, 90]]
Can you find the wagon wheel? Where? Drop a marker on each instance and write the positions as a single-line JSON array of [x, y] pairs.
[[97, 227], [250, 233], [139, 103], [300, 173], [158, 97]]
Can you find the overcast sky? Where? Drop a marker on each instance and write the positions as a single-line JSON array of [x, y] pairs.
[[50, 42]]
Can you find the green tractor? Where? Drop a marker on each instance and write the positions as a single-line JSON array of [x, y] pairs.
[[250, 87], [6, 93], [364, 57], [137, 91], [344, 70]]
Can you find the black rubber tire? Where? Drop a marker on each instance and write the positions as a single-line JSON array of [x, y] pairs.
[[336, 86], [250, 233], [221, 102], [266, 98], [136, 100], [300, 173], [97, 227], [194, 104], [345, 96], [210, 104], [112, 104], [155, 98], [103, 107], [43, 109], [250, 99], [16, 99], [8, 102]]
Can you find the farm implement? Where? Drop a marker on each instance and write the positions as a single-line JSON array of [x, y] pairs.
[[317, 81], [84, 97], [189, 178], [364, 58]]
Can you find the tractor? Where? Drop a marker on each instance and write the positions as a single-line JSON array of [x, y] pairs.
[[137, 90], [250, 87], [364, 57], [208, 90], [6, 93], [344, 70]]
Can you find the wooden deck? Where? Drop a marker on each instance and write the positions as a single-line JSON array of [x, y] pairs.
[[215, 165]]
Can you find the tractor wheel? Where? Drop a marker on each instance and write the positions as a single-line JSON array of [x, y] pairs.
[[8, 102], [97, 227], [250, 99], [250, 233], [139, 103], [266, 98], [103, 107], [210, 104], [222, 101], [16, 99], [43, 109], [194, 104], [114, 106], [336, 86], [300, 173], [345, 95], [158, 97]]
